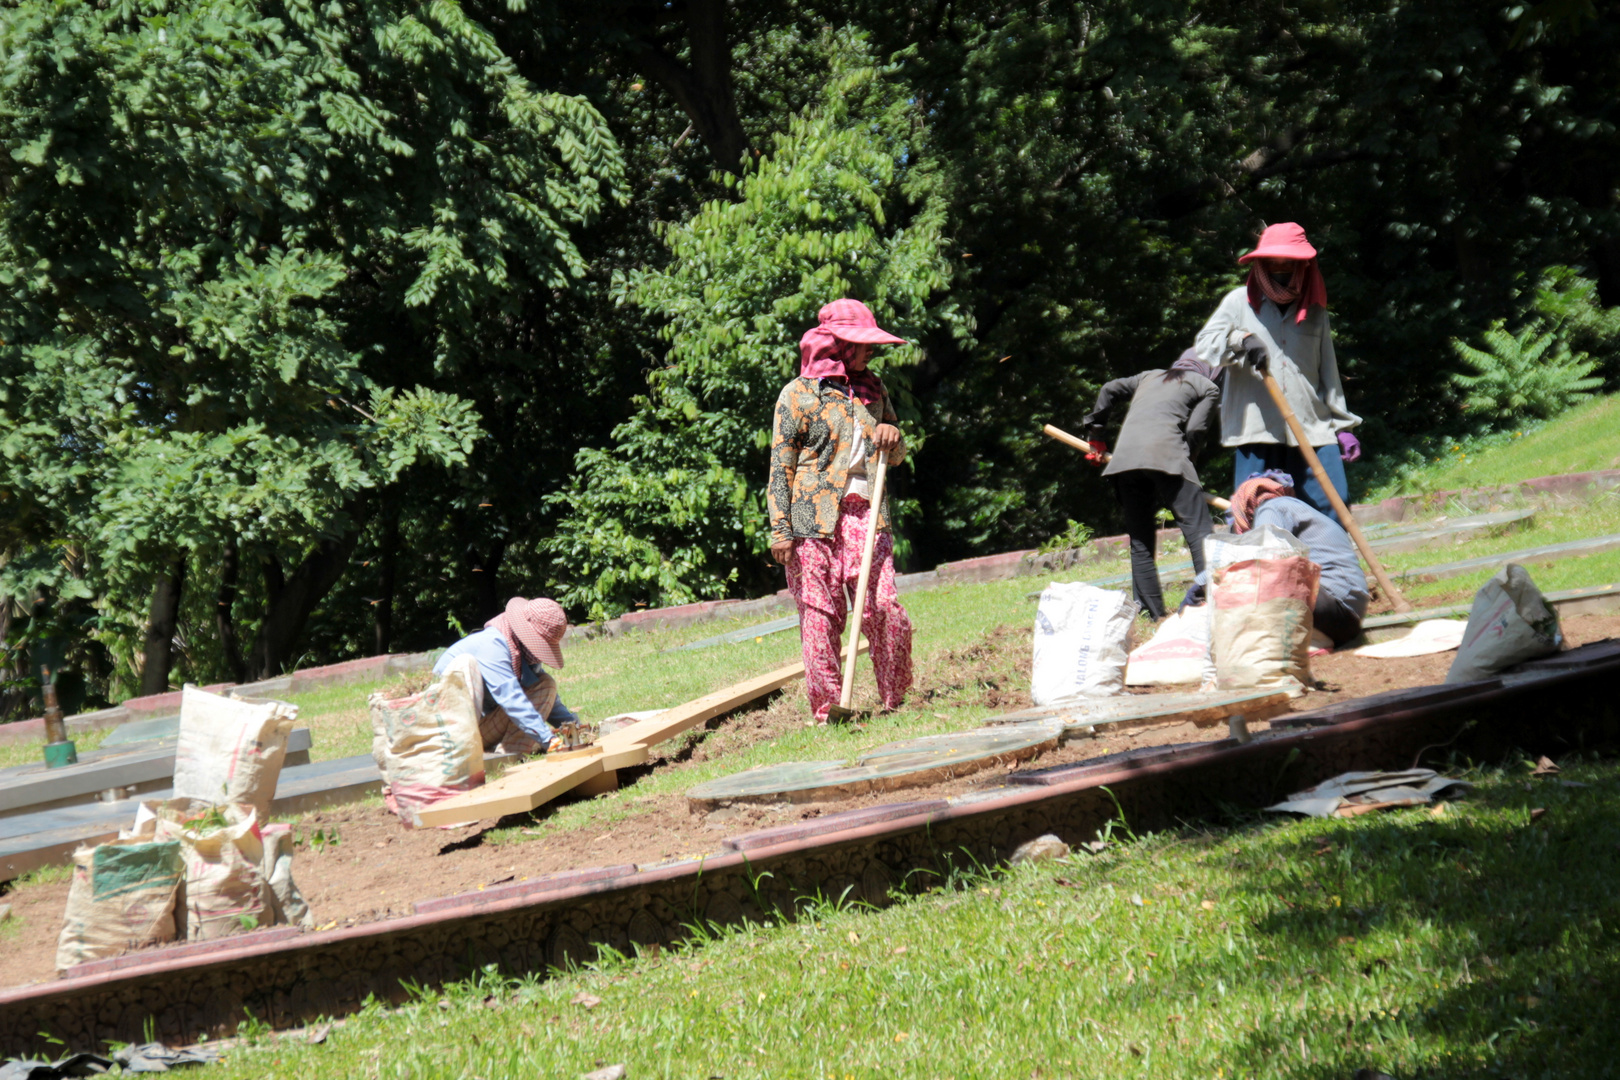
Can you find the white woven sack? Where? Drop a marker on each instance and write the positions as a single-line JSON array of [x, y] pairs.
[[223, 855], [1082, 636], [1177, 654], [230, 751]]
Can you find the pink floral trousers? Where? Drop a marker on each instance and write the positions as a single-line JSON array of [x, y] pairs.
[[820, 573]]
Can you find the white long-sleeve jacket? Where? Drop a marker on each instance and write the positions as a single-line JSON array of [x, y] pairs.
[[1302, 360]]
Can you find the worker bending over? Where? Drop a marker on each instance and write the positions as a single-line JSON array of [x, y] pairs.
[[831, 422], [1152, 466], [1278, 320], [514, 696], [1341, 597]]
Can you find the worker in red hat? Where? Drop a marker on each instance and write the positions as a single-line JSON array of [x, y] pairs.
[[831, 422], [1277, 320], [514, 695]]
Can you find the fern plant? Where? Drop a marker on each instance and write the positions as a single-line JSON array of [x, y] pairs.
[[1528, 375]]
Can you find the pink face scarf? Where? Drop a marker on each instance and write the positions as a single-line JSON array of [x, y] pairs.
[[822, 356], [1286, 241]]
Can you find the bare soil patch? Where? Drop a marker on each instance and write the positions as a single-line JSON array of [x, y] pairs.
[[376, 869]]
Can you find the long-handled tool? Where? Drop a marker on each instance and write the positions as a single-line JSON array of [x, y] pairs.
[[1085, 448], [1349, 522], [842, 711]]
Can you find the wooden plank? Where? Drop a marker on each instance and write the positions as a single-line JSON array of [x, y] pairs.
[[521, 790], [672, 722], [527, 787]]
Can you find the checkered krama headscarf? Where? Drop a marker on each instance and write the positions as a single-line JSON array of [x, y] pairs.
[[1250, 494]]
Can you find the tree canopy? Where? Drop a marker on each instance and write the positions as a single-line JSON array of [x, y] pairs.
[[324, 328]]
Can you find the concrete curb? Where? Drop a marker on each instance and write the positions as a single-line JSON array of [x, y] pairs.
[[1561, 704], [154, 705], [1543, 489]]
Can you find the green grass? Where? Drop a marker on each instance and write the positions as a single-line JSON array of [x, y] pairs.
[[1552, 525], [1584, 439], [33, 753], [1472, 943]]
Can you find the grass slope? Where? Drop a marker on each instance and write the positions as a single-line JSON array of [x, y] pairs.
[[1481, 940], [1582, 440]]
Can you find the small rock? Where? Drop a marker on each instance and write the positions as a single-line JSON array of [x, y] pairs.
[[5, 912], [717, 818], [1040, 849], [607, 1072]]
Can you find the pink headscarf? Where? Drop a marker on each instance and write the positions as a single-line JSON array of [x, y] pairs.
[[1286, 241], [826, 348]]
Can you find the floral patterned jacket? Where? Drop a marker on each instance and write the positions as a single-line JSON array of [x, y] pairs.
[[815, 425]]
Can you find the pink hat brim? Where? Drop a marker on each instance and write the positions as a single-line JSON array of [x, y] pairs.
[[540, 646], [1300, 252], [863, 335]]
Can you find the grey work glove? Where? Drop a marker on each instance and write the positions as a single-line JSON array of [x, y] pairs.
[[1255, 356]]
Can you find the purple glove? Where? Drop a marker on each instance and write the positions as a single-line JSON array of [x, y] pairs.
[[1349, 447]]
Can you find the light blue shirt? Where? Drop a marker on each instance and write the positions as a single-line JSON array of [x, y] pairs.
[[1329, 543], [501, 687]]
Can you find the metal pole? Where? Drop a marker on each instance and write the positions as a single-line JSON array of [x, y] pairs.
[[59, 750]]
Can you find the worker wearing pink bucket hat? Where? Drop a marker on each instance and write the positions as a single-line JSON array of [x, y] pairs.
[[514, 696], [1277, 320], [830, 423]]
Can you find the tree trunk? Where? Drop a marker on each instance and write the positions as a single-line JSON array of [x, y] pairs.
[[702, 88], [382, 611], [289, 600], [486, 573], [160, 627], [11, 700], [230, 570]]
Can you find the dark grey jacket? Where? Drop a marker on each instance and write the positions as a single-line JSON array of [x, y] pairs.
[[1166, 422]]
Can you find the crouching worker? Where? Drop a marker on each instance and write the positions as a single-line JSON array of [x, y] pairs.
[[1152, 467], [1341, 598], [514, 696], [831, 423]]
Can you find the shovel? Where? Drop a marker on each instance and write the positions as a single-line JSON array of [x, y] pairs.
[[842, 712]]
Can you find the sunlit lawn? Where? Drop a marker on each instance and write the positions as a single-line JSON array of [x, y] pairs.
[[1467, 942]]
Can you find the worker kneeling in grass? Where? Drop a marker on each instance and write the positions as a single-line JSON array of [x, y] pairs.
[[1152, 467], [1341, 598], [514, 695], [830, 423]]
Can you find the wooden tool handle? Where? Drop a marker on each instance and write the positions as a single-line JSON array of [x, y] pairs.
[[847, 694], [1345, 517], [1085, 448]]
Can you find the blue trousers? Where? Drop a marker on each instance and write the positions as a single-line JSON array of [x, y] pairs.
[[1259, 457]]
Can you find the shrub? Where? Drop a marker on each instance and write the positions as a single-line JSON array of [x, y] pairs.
[[1528, 375]]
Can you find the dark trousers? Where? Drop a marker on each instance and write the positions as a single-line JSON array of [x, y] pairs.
[[1335, 618], [1142, 493], [1260, 457]]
